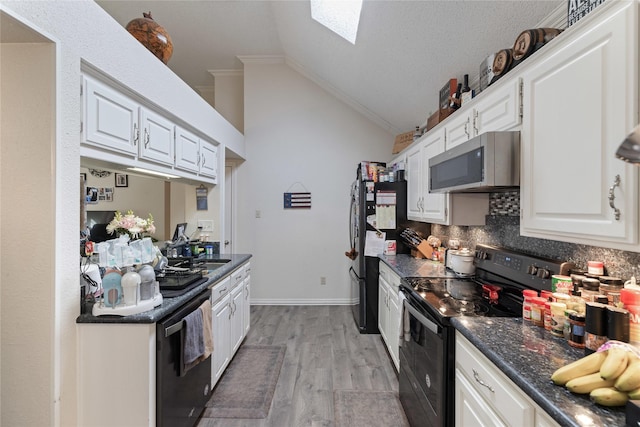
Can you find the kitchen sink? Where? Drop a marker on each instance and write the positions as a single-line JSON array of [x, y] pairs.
[[211, 265]]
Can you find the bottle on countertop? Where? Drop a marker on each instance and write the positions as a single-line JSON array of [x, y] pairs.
[[595, 326]]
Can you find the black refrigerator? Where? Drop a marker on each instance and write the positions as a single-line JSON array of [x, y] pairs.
[[375, 207]]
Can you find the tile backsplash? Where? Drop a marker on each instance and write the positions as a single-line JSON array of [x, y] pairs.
[[503, 229]]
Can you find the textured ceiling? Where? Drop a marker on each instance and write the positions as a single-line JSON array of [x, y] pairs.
[[404, 53]]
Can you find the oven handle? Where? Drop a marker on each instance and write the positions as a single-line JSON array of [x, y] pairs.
[[426, 322]]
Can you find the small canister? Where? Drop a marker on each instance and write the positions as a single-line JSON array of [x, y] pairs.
[[590, 288], [547, 315], [576, 335], [528, 295], [595, 327], [557, 318], [610, 285], [537, 311], [618, 324], [560, 283], [595, 267], [567, 323]]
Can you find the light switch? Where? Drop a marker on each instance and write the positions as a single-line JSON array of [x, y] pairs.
[[258, 214]]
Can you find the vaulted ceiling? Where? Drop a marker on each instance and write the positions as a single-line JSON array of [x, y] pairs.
[[404, 53]]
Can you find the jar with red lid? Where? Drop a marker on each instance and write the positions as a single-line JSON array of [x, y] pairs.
[[537, 311], [547, 315], [630, 298], [595, 267], [528, 294]]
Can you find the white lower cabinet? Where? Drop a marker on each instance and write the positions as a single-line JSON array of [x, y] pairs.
[[246, 292], [486, 397], [228, 305], [389, 311]]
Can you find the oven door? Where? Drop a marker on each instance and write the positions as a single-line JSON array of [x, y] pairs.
[[423, 366]]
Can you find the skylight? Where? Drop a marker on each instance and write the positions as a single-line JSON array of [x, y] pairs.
[[340, 16]]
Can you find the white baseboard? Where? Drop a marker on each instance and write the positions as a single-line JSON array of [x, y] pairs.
[[340, 301]]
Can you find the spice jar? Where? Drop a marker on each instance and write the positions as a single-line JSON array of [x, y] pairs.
[[560, 283], [557, 318], [546, 295], [576, 280], [547, 315], [528, 294], [590, 288], [576, 334], [595, 267], [576, 302], [631, 300], [595, 327], [567, 323], [618, 324], [608, 285], [537, 311]]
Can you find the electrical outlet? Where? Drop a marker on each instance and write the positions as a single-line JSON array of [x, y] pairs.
[[258, 214], [205, 225], [323, 280]]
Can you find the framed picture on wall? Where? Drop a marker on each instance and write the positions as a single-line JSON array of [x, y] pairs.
[[122, 180]]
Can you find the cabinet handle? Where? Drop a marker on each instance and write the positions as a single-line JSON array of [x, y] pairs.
[[203, 161], [482, 383], [198, 161], [466, 127], [230, 311], [223, 290], [146, 138], [475, 122], [612, 197], [136, 134]]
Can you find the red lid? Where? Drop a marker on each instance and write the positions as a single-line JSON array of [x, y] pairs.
[[630, 296], [539, 300], [529, 293]]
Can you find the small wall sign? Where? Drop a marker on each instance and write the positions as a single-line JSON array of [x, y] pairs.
[[297, 200], [578, 9]]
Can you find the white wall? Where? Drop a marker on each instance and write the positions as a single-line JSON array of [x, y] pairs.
[[41, 387], [296, 132]]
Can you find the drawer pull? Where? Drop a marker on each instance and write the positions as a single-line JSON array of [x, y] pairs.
[[482, 383]]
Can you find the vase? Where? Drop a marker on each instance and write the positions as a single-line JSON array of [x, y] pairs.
[[152, 36]]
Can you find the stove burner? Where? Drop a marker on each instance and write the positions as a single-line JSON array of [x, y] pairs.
[[464, 307]]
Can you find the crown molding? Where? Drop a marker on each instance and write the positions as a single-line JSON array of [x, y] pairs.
[[226, 73], [261, 59]]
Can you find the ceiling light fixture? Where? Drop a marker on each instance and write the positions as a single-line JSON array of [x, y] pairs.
[[150, 172], [340, 16]]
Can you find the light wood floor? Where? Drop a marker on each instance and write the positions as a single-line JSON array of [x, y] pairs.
[[325, 352]]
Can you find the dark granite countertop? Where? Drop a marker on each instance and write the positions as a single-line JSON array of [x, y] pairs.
[[528, 355], [407, 266], [169, 305]]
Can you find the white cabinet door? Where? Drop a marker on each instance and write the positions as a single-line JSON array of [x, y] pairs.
[[246, 309], [580, 101], [221, 318], [110, 118], [393, 326], [187, 150], [458, 127], [498, 109], [208, 160], [157, 137], [470, 408], [435, 205], [237, 317], [414, 170], [383, 308]]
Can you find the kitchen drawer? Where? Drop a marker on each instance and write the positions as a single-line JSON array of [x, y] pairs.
[[237, 276], [221, 289], [497, 390], [389, 275]]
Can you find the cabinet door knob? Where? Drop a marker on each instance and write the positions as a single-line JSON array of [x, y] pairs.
[[612, 197]]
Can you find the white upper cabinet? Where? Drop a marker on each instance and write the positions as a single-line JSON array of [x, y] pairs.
[[499, 108], [414, 182], [111, 118], [187, 150], [435, 207], [156, 139], [209, 160], [118, 129], [580, 101]]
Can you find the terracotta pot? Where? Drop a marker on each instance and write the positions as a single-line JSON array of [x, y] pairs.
[[152, 36]]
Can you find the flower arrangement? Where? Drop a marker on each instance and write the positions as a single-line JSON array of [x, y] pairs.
[[131, 225]]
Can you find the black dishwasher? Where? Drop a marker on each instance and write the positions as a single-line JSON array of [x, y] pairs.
[[181, 394]]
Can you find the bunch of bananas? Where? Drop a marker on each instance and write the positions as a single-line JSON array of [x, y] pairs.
[[610, 376]]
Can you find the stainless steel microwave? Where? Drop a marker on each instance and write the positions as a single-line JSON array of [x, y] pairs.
[[489, 162]]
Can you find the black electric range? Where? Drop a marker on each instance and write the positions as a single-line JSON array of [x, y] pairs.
[[427, 349], [176, 283]]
